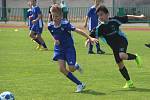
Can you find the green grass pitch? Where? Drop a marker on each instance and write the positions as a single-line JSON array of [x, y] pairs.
[[32, 75]]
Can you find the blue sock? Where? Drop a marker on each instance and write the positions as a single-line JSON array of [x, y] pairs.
[[90, 47], [73, 78], [37, 41], [98, 46], [44, 45]]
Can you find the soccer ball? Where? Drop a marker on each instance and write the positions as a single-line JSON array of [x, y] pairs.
[[7, 96]]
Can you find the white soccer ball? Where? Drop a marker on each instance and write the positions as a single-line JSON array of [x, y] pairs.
[[7, 96]]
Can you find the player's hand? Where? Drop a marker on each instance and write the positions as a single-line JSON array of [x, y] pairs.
[[142, 16], [57, 42], [93, 40], [34, 21]]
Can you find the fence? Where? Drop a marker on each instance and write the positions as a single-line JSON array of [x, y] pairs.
[[76, 14]]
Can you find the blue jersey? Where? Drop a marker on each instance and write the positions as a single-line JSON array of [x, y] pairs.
[[93, 18], [65, 50], [29, 13], [35, 12], [62, 33]]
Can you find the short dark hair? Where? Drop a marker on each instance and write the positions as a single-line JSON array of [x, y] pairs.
[[103, 9]]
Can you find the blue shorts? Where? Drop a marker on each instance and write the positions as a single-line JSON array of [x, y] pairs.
[[67, 54], [37, 29]]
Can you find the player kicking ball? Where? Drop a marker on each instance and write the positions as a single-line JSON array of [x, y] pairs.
[[64, 50], [116, 39]]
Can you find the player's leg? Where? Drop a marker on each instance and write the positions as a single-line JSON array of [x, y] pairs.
[[123, 70], [99, 51], [70, 76], [33, 36], [71, 60], [127, 56], [90, 51], [41, 39]]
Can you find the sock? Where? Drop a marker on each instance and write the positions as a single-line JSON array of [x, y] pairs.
[[90, 47], [124, 73], [131, 56], [44, 45], [37, 41], [77, 66], [98, 46], [73, 78]]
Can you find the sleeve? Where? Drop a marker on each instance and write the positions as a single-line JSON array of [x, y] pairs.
[[38, 10], [70, 27], [89, 13], [122, 19]]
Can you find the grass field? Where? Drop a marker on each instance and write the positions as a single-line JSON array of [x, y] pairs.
[[32, 75]]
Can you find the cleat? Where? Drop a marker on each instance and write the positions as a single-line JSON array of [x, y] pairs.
[[33, 40], [138, 61], [91, 52], [38, 47], [129, 84], [80, 88], [147, 45], [78, 67], [100, 52]]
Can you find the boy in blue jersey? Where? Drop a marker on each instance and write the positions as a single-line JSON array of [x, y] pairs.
[[92, 21], [64, 50], [110, 31], [37, 26]]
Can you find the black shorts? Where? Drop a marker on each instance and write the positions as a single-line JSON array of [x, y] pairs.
[[119, 45]]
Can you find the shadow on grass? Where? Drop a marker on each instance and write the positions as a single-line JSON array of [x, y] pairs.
[[93, 92], [135, 89]]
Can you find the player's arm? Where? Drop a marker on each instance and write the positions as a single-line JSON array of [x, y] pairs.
[[39, 17], [136, 17], [86, 20], [81, 32]]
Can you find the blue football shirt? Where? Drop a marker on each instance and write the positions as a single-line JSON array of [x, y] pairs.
[[93, 18], [35, 12], [62, 33]]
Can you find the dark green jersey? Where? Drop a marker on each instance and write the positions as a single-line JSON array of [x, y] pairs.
[[111, 27]]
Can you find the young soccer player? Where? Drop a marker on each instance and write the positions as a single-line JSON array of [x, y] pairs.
[[64, 50], [92, 21], [115, 38], [37, 26]]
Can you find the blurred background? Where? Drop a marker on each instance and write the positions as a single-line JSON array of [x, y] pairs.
[[15, 10]]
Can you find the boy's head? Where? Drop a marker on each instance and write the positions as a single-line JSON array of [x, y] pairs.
[[97, 2], [29, 4], [33, 2], [102, 13], [56, 12]]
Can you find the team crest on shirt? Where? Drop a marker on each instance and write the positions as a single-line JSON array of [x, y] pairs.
[[62, 29]]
